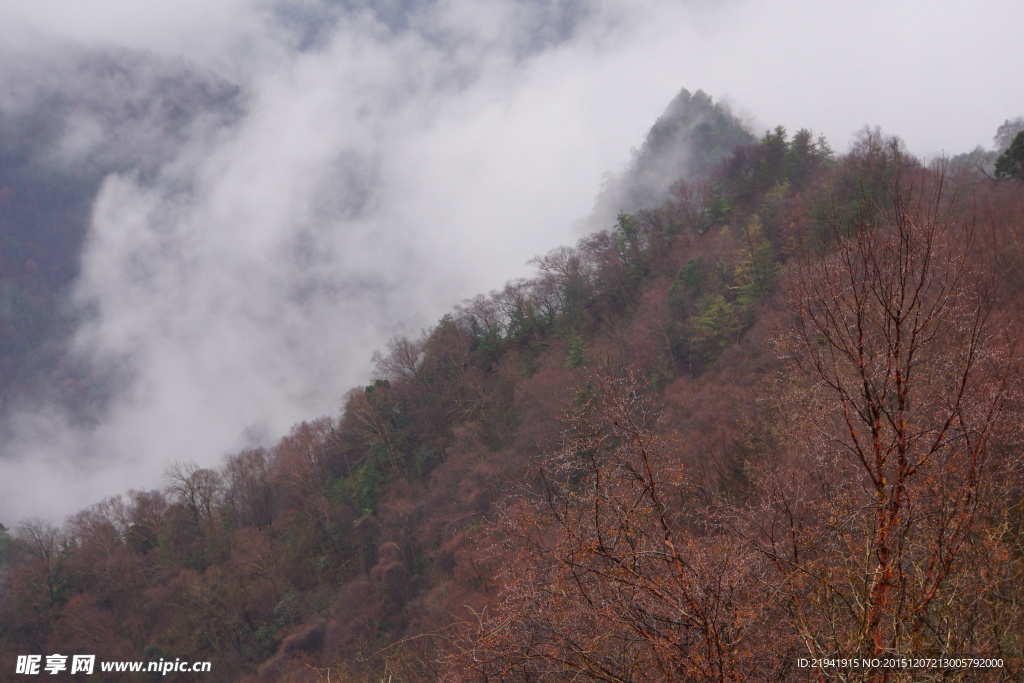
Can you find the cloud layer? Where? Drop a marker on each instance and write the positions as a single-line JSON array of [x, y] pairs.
[[379, 162]]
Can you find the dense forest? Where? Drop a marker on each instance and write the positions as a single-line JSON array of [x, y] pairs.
[[772, 412]]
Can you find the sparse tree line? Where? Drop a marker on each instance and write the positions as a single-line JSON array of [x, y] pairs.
[[778, 416]]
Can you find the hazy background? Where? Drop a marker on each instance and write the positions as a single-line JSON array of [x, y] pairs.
[[285, 185]]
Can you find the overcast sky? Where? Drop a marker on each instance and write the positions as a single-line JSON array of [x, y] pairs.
[[380, 166]]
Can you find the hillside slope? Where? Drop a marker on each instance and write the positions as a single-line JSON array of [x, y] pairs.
[[775, 416]]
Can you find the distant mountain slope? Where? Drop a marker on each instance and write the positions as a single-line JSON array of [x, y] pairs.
[[687, 141]]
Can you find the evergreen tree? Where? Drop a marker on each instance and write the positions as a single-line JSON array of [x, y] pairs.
[[1010, 163], [577, 352]]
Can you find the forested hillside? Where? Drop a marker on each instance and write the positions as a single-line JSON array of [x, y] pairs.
[[776, 415]]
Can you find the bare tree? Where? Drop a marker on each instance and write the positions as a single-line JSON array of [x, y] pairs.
[[198, 489], [402, 360], [878, 521], [616, 578], [42, 541], [247, 488]]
